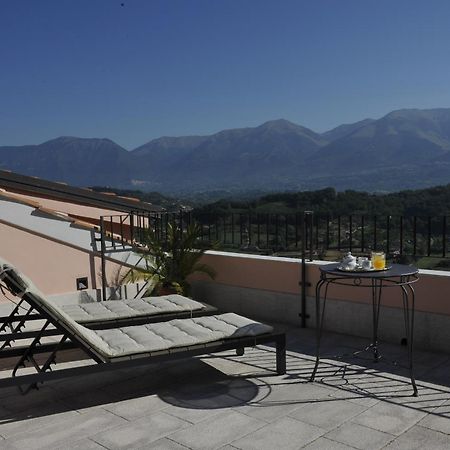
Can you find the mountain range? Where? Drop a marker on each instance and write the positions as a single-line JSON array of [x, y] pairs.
[[406, 149]]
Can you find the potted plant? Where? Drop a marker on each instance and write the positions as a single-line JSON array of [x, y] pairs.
[[166, 263]]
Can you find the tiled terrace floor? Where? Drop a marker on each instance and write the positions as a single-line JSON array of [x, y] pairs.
[[232, 402]]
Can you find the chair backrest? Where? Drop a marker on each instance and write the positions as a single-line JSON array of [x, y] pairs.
[[23, 287]]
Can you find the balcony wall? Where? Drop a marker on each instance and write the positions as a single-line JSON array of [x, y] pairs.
[[268, 288]]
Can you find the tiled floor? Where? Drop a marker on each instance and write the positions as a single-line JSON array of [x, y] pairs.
[[230, 402]]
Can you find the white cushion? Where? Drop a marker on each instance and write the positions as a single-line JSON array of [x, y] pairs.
[[178, 333], [133, 340], [121, 309]]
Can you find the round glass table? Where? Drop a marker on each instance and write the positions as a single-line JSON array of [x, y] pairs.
[[397, 275]]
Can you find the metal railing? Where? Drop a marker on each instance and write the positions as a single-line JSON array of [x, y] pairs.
[[125, 232], [304, 235], [413, 236]]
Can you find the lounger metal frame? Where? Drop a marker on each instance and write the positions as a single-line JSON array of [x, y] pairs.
[[16, 321], [70, 339]]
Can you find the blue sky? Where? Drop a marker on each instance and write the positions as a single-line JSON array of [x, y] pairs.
[[134, 70]]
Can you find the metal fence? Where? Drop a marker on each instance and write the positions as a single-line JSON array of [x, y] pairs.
[[413, 236], [304, 235], [396, 235]]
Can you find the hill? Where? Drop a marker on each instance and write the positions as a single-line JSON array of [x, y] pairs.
[[406, 149], [76, 161]]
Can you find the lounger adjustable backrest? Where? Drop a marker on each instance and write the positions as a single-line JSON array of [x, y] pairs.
[[23, 287], [128, 346], [135, 340]]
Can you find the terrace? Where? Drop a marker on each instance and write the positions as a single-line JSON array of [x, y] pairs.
[[233, 402], [228, 401]]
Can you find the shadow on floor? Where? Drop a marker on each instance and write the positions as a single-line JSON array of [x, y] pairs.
[[189, 383], [228, 381]]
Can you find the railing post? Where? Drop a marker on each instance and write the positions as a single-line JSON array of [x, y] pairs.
[[232, 228], [350, 233], [327, 238], [375, 233], [388, 234], [401, 235], [429, 237], [444, 236], [414, 235], [339, 233], [303, 282], [131, 227], [363, 246], [276, 232], [103, 259]]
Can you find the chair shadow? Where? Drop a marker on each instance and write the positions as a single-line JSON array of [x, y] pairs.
[[190, 383]]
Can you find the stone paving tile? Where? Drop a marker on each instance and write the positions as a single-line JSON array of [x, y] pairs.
[[285, 433], [198, 406], [359, 436], [164, 444], [70, 430], [295, 373], [83, 444], [34, 399], [427, 359], [221, 393], [392, 419], [7, 392], [80, 384], [327, 414], [217, 431], [420, 438], [255, 361], [135, 385], [134, 408], [141, 432], [243, 389], [274, 402], [439, 419], [4, 413], [87, 401], [326, 444], [439, 375], [428, 399], [192, 415], [34, 419], [368, 382]]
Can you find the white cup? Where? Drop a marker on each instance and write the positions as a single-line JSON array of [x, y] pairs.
[[364, 262]]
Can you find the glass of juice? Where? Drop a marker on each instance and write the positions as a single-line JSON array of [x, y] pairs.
[[378, 260]]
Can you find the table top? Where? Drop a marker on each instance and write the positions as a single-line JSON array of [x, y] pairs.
[[395, 270]]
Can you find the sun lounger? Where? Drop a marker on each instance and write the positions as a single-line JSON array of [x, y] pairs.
[[129, 346], [112, 313]]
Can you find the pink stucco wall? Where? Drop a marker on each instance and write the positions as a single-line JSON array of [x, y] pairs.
[[283, 274], [52, 266]]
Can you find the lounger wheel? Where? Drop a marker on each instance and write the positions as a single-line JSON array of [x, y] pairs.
[[240, 351]]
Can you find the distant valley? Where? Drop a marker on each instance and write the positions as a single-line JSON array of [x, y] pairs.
[[406, 149]]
